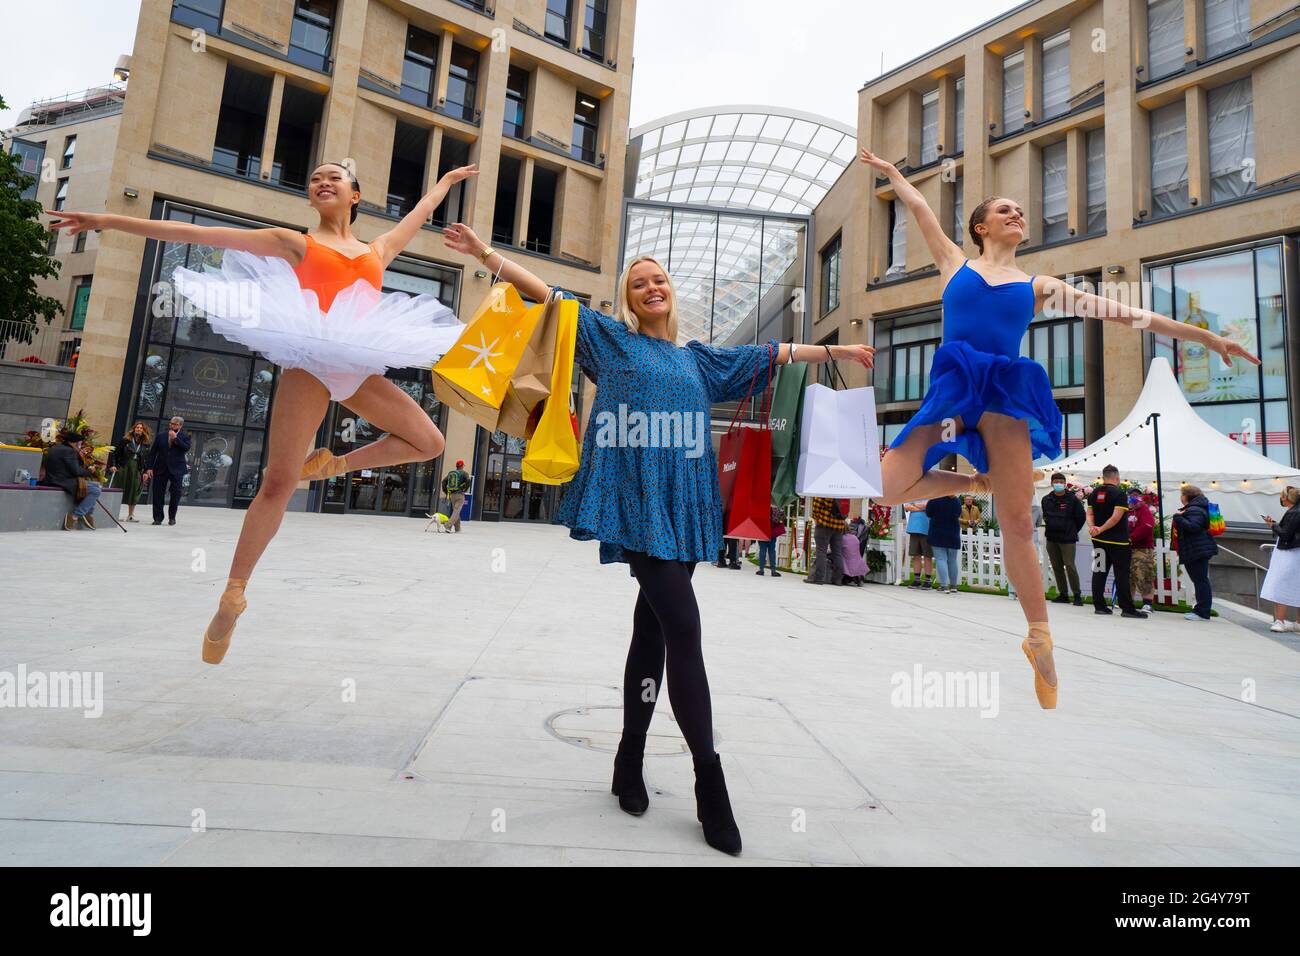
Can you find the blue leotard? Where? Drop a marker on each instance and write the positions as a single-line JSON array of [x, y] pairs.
[[979, 369]]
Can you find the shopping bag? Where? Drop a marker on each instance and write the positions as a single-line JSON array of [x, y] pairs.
[[787, 408], [474, 376], [745, 471], [530, 382], [552, 454], [839, 455]]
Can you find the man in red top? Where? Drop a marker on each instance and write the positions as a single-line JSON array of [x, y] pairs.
[[1141, 534]]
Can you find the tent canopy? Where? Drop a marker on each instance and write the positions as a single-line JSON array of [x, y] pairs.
[[1191, 450]]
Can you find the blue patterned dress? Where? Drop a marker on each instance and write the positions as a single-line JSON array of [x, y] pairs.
[[662, 501]]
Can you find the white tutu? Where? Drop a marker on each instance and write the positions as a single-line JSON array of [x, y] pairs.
[[258, 303], [1282, 583]]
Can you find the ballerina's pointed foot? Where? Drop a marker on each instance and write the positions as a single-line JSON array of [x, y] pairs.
[[321, 464], [216, 639], [1038, 648]]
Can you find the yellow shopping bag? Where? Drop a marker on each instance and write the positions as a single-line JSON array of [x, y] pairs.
[[474, 376], [552, 455]]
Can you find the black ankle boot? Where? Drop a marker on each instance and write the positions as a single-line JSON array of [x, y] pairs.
[[628, 784], [713, 807]]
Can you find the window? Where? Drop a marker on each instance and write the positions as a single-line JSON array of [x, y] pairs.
[[1164, 38], [312, 33], [29, 156], [1238, 295], [406, 171], [541, 210], [1056, 75], [69, 150], [1057, 345], [960, 120], [52, 243], [1013, 93], [1096, 175], [204, 14], [61, 194], [79, 243], [418, 66], [1056, 195], [454, 154], [905, 354], [241, 123], [958, 212], [1232, 140], [80, 301], [929, 127], [897, 239], [1227, 26], [1169, 192], [557, 20], [595, 23], [516, 102], [503, 211], [586, 121], [296, 139], [831, 276], [462, 82]]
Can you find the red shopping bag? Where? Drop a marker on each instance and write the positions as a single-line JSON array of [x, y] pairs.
[[745, 472]]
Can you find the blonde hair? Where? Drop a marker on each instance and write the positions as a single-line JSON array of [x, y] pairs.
[[624, 311], [148, 435]]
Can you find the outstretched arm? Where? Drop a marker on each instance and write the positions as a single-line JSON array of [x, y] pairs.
[[1066, 299], [465, 241], [388, 245], [284, 243], [947, 255]]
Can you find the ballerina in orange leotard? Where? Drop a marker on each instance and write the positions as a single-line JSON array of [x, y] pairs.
[[313, 305]]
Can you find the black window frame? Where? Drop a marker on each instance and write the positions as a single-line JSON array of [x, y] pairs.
[[303, 56], [584, 128], [69, 151], [190, 14], [468, 108], [830, 262], [595, 12], [409, 92], [516, 102], [552, 16]]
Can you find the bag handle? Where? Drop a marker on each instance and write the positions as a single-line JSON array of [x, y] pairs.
[[771, 358]]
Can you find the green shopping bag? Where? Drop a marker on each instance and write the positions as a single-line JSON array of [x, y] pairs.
[[787, 411]]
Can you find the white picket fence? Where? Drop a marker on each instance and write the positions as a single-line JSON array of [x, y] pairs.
[[981, 564]]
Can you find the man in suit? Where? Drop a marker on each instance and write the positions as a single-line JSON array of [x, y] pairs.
[[62, 469], [167, 468]]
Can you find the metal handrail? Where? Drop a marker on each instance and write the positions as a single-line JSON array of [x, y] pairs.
[[1243, 557]]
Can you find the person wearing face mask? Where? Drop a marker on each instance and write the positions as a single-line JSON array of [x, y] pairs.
[[1282, 583], [1142, 540], [1063, 516]]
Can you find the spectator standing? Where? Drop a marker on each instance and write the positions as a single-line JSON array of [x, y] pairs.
[[971, 515], [918, 544], [167, 468], [130, 457], [1063, 518], [767, 549], [1108, 528], [826, 540], [1142, 539], [944, 536], [1196, 547], [1282, 583]]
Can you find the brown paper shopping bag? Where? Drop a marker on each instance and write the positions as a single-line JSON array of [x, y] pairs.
[[530, 382]]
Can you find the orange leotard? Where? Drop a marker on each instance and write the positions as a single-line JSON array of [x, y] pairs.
[[327, 272]]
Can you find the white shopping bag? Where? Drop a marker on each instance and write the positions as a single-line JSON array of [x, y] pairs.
[[839, 452]]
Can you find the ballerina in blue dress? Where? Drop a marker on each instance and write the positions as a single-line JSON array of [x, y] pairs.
[[986, 402], [647, 490]]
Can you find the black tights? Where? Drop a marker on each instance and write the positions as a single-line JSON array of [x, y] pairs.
[[666, 623]]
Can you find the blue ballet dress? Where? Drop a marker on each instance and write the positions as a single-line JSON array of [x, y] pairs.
[[638, 493], [979, 369]]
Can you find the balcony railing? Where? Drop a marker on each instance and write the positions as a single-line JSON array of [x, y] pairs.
[[24, 342]]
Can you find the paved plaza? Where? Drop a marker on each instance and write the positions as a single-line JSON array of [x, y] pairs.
[[395, 697]]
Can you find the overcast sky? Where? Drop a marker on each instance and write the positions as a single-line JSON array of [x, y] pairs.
[[807, 54]]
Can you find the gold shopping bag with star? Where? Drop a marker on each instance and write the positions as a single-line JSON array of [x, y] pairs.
[[474, 376]]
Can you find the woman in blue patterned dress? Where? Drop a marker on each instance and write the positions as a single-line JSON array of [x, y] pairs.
[[987, 403], [647, 490]]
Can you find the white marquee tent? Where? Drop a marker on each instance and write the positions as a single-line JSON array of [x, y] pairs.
[[1242, 482]]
